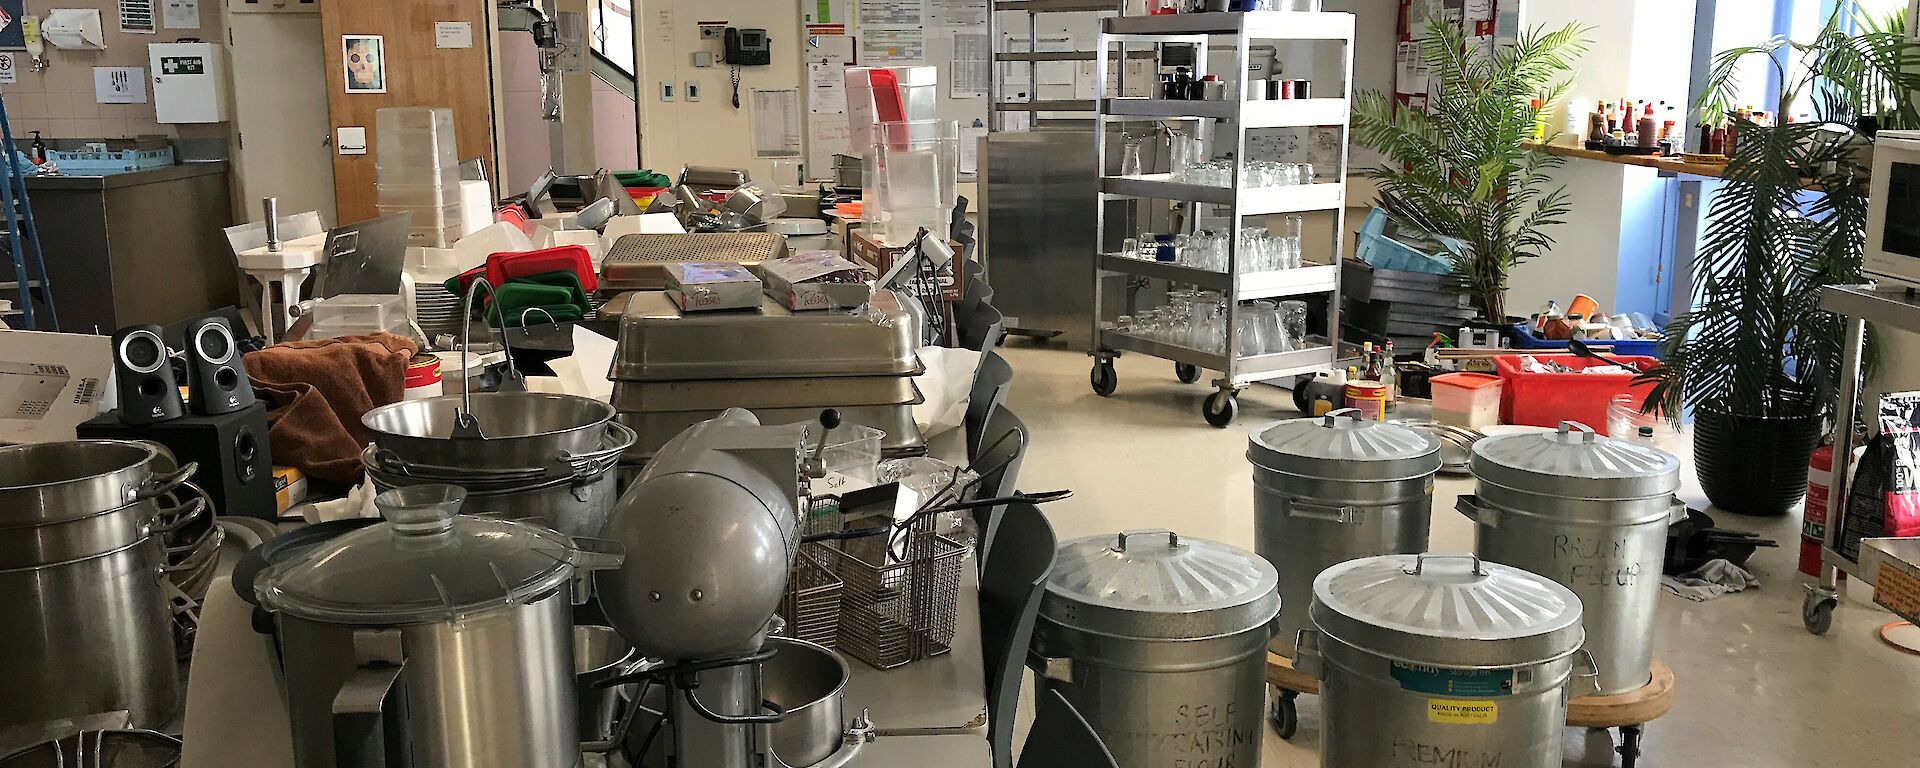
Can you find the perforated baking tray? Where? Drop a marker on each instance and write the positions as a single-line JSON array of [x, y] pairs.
[[638, 262]]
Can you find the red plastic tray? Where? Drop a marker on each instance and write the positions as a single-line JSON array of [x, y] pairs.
[[1546, 399], [505, 266]]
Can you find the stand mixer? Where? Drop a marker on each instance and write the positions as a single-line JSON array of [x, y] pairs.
[[712, 528]]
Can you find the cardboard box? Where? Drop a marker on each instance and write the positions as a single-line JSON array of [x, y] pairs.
[[878, 258], [707, 285], [815, 280]]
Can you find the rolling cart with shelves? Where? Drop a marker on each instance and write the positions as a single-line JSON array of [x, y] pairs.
[[1895, 306], [1231, 119]]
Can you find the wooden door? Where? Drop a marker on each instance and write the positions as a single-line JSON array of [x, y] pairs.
[[418, 73]]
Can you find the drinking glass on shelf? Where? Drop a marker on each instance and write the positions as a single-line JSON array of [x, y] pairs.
[[1180, 248], [1303, 173], [1130, 248], [1293, 322], [1290, 242], [1130, 158]]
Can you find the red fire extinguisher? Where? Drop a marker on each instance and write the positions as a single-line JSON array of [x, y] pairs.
[[1813, 519]]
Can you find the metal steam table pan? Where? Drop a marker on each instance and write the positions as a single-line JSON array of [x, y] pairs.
[[638, 262], [655, 429], [754, 394], [659, 343]]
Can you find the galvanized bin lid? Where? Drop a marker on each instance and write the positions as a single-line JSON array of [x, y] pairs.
[[1447, 611], [1156, 585], [1343, 446], [1575, 462]]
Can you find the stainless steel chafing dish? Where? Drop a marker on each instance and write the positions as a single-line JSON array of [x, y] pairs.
[[655, 429], [658, 343], [757, 394]]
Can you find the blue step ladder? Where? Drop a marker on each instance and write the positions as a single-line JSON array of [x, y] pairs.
[[29, 281]]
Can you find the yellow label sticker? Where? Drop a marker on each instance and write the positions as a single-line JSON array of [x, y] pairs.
[[1463, 711]]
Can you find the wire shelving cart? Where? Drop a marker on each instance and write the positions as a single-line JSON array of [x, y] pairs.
[[1230, 120], [1893, 306]]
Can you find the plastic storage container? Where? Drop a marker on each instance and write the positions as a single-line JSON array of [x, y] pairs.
[[878, 95], [1466, 399], [1624, 421], [415, 137], [426, 217], [1546, 399], [911, 185], [417, 195], [358, 314]]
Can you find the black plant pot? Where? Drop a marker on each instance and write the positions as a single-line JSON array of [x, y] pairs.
[[1754, 465]]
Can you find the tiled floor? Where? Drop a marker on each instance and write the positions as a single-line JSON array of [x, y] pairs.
[[1754, 689]]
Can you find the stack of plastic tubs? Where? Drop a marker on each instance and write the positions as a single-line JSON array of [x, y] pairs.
[[418, 172]]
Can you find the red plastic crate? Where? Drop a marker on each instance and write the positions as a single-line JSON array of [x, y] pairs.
[[1546, 399]]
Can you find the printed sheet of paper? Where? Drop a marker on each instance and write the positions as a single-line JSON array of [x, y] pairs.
[[776, 123]]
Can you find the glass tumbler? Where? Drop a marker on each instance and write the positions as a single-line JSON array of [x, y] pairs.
[[1289, 242], [1293, 322], [1130, 164], [1130, 248]]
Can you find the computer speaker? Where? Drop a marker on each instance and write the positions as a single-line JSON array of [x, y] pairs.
[[216, 381], [148, 391]]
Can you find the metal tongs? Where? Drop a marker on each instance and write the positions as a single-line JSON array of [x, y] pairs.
[[464, 424]]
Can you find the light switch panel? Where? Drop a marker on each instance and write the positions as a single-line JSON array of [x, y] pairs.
[[351, 140], [666, 91], [693, 91]]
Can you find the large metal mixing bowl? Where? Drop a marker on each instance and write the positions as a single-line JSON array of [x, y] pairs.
[[523, 430]]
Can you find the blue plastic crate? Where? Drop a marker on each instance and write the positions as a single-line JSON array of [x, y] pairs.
[[1387, 253], [110, 163], [1522, 338]]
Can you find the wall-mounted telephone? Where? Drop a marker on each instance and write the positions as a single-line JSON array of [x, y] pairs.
[[748, 47]]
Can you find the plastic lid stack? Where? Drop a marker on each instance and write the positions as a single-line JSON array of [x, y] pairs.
[[417, 171]]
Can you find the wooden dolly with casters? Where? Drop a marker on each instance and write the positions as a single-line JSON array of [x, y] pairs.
[[1626, 711]]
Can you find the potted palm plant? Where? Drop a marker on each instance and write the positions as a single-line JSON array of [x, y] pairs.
[[1756, 359], [1464, 170]]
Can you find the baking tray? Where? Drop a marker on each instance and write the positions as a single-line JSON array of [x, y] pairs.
[[813, 392], [655, 429], [638, 262], [658, 343]]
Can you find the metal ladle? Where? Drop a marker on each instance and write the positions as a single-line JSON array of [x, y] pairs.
[[1579, 348], [464, 424]]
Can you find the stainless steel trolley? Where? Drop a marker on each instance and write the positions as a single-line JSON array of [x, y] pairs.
[[1234, 117], [1896, 307]]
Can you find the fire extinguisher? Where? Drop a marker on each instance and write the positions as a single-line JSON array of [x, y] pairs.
[[1813, 519]]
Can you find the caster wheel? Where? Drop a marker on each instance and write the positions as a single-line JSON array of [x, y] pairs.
[[1629, 748], [1817, 613], [1187, 374], [1286, 714], [1104, 379], [1300, 401], [1221, 408]]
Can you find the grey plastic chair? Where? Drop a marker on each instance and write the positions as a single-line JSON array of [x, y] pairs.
[[990, 384], [984, 331], [1010, 594], [1061, 737], [1003, 444]]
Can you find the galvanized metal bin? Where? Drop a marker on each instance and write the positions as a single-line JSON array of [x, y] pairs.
[[1332, 489], [1440, 660], [1160, 642], [1590, 513]]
